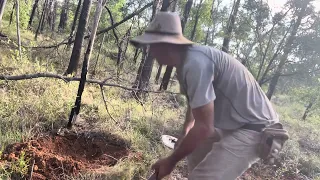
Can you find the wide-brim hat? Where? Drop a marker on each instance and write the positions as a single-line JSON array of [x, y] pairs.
[[164, 28]]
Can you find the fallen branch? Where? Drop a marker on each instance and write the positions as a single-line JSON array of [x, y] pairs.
[[68, 79], [101, 31]]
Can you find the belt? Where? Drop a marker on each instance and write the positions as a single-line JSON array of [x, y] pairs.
[[254, 127]]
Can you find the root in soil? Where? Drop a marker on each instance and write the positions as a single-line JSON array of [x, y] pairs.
[[56, 156]]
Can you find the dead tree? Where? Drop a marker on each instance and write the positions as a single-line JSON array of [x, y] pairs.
[[2, 6], [76, 51], [230, 26], [74, 23], [287, 49], [76, 109], [34, 8], [63, 16], [169, 69], [18, 28]]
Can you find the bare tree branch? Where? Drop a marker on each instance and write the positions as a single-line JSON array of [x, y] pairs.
[[105, 104], [101, 31], [68, 79]]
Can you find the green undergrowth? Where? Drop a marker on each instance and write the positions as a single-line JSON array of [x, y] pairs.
[[41, 105], [301, 152]]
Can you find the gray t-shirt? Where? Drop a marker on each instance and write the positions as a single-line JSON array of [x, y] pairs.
[[208, 74]]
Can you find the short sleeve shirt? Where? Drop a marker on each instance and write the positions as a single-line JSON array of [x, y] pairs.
[[208, 74]]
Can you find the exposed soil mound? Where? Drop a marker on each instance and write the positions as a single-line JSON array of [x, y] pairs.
[[68, 154]]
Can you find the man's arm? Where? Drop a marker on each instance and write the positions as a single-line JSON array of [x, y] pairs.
[[202, 129], [188, 123]]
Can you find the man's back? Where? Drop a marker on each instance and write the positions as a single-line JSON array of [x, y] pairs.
[[238, 97]]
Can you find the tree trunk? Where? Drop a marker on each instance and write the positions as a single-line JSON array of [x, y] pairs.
[[193, 33], [76, 51], [265, 53], [11, 14], [232, 19], [2, 6], [287, 50], [41, 19], [275, 55], [54, 16], [34, 7], [143, 78], [74, 23], [45, 14], [63, 16], [18, 28], [166, 78], [143, 59], [49, 13], [207, 37], [306, 112], [100, 48], [158, 74], [136, 55], [167, 74], [75, 111], [186, 12]]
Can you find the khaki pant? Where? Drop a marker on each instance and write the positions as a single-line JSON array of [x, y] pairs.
[[224, 160]]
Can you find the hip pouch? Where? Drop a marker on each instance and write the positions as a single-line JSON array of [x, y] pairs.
[[272, 142]]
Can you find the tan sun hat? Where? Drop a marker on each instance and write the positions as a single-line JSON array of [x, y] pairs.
[[165, 28]]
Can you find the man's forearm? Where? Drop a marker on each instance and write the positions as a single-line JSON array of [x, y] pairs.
[[188, 123], [196, 135]]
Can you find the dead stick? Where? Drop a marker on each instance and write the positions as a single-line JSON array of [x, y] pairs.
[[68, 79], [33, 162]]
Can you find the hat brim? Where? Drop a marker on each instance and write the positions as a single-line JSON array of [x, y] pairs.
[[149, 38]]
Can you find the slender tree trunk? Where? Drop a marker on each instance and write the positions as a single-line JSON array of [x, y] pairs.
[[143, 78], [232, 19], [275, 55], [143, 59], [158, 74], [76, 51], [306, 112], [186, 12], [136, 55], [45, 14], [167, 74], [41, 19], [193, 33], [63, 16], [287, 50], [50, 13], [2, 6], [75, 111], [100, 48], [74, 23], [18, 28], [207, 37], [34, 8], [11, 14], [265, 53], [54, 15]]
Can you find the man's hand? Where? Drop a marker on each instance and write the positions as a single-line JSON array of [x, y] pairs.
[[163, 167]]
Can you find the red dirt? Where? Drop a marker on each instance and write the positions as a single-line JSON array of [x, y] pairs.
[[57, 156]]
